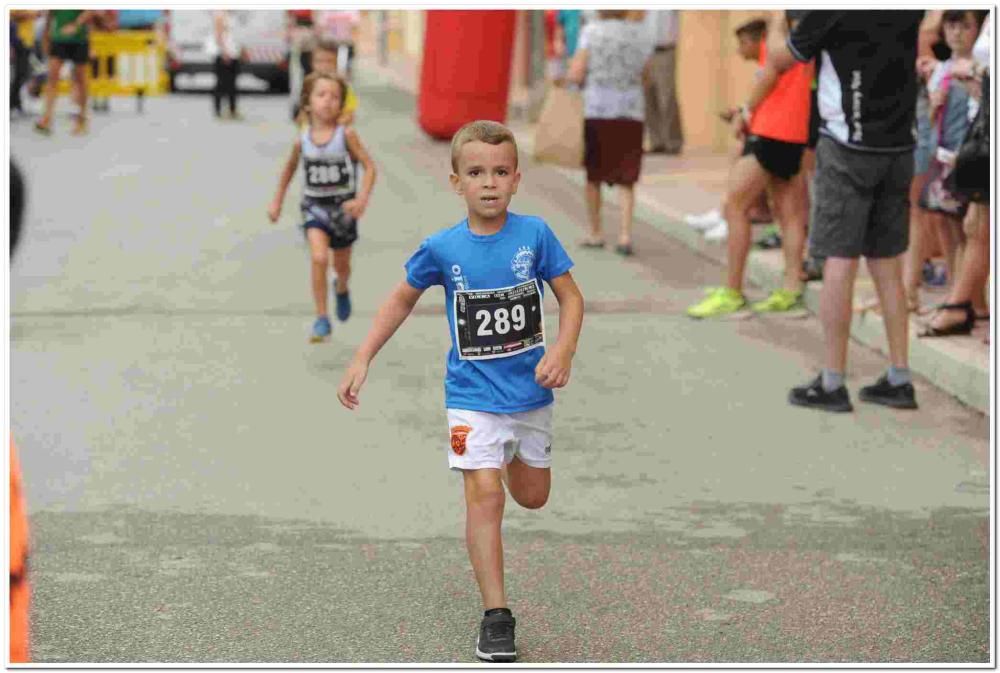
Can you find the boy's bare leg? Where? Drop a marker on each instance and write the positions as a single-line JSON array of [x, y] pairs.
[[484, 502], [791, 200], [593, 193], [319, 252], [529, 486], [747, 180], [342, 267], [628, 206]]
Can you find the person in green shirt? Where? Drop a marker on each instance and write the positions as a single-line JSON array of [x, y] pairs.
[[66, 38]]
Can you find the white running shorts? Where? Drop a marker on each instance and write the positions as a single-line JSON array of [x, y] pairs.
[[481, 440]]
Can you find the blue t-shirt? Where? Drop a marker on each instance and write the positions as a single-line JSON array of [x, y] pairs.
[[513, 262]]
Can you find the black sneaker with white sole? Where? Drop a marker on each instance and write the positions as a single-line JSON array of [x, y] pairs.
[[815, 396], [496, 636], [883, 392]]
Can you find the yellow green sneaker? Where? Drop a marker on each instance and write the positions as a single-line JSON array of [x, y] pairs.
[[719, 302], [780, 301]]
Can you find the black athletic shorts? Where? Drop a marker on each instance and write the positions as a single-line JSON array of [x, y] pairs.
[[329, 217], [77, 52], [780, 159]]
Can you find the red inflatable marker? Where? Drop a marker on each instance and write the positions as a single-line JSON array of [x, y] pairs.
[[466, 69]]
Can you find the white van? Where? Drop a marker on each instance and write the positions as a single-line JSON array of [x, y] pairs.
[[262, 34]]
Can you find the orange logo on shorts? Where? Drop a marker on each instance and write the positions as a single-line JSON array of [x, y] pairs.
[[458, 435]]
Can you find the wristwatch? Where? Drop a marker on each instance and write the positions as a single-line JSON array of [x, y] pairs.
[[746, 113]]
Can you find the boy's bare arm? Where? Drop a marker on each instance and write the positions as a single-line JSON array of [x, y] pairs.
[[274, 210], [356, 207], [391, 314], [553, 369]]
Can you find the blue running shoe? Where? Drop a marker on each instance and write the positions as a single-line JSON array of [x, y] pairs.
[[343, 306], [321, 330]]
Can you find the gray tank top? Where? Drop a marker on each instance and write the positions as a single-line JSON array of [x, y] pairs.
[[329, 169]]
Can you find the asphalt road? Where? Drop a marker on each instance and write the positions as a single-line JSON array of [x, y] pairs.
[[198, 495]]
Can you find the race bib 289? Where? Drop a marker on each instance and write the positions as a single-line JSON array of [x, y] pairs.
[[498, 323]]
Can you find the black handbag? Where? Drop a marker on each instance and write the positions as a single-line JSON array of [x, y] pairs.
[[971, 176]]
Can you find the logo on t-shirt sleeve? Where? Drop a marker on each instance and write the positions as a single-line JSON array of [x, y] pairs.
[[523, 263], [460, 281]]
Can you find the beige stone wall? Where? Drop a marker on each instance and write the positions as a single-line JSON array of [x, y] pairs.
[[711, 76], [413, 32], [406, 31]]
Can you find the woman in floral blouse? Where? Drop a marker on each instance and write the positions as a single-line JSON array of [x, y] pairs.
[[610, 62]]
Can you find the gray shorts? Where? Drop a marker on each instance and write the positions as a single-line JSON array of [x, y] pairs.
[[861, 203]]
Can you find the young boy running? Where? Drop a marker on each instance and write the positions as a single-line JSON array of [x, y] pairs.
[[498, 385], [332, 203], [776, 128]]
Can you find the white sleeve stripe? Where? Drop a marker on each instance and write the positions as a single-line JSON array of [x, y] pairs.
[[795, 52]]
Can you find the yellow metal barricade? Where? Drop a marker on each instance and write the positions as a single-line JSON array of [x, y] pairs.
[[126, 63]]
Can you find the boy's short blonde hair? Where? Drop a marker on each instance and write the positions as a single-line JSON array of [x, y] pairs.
[[482, 130]]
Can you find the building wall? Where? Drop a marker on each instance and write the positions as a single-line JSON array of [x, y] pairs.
[[711, 76], [413, 32]]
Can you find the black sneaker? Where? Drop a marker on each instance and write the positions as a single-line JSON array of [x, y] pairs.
[[813, 395], [496, 636], [883, 392]]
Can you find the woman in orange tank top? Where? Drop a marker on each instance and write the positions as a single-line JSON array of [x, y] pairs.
[[784, 114]]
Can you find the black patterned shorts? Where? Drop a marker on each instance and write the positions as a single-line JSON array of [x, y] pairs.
[[329, 217]]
